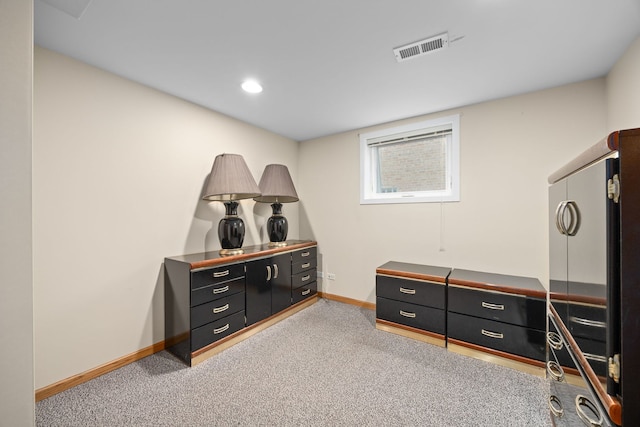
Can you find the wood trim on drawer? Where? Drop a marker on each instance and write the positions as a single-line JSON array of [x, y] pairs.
[[409, 332], [408, 275], [216, 347], [249, 255], [531, 366], [501, 289]]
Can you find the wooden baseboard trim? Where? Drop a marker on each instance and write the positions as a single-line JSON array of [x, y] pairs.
[[67, 383], [351, 301]]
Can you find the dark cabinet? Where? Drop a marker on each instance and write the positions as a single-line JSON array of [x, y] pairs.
[[411, 300], [213, 301], [497, 314], [268, 287]]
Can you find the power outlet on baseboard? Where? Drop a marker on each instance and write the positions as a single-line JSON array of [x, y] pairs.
[[331, 276]]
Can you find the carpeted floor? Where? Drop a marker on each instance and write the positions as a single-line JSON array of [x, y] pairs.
[[324, 366]]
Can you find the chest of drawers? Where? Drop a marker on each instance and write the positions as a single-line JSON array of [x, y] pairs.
[[213, 301], [497, 315], [304, 265], [411, 300]]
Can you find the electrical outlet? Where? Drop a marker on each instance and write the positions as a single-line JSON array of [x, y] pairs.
[[331, 276], [320, 275]]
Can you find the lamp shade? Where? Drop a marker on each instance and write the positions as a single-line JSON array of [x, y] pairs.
[[276, 186], [230, 179]]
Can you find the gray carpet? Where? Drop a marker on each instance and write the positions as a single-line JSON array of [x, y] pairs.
[[324, 366]]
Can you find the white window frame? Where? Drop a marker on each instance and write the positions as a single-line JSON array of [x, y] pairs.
[[368, 173]]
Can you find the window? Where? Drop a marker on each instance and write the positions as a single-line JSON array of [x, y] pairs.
[[411, 164]]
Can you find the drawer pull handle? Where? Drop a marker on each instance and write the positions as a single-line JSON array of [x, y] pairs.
[[220, 309], [306, 265], [305, 278], [221, 290], [584, 402], [217, 274], [492, 306], [587, 322], [554, 340], [221, 329], [305, 254], [268, 273], [275, 271], [408, 291], [555, 370], [306, 292], [407, 314], [555, 406], [595, 357], [492, 334]]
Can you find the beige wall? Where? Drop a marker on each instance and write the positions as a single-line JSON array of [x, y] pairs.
[[623, 91], [16, 284], [118, 170], [508, 148]]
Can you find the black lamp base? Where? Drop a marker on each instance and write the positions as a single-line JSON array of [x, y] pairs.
[[277, 227], [231, 231]]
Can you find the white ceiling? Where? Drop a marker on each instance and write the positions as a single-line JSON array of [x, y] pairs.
[[328, 66]]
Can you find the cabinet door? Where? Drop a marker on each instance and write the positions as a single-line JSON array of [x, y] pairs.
[[280, 282], [557, 249], [258, 291]]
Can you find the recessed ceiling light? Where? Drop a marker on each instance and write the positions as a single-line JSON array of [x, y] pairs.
[[251, 86]]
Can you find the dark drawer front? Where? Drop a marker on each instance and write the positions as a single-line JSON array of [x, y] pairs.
[[512, 339], [216, 291], [593, 351], [416, 316], [303, 279], [514, 309], [304, 255], [205, 335], [413, 291], [587, 321], [217, 309], [307, 264], [304, 292], [215, 275]]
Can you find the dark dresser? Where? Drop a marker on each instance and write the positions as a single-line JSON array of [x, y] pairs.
[[214, 301], [411, 300], [497, 317]]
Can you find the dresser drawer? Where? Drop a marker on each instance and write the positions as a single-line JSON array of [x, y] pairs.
[[416, 316], [205, 335], [302, 279], [216, 275], [216, 291], [304, 265], [304, 292], [217, 309], [512, 339], [515, 309], [304, 255], [419, 292], [587, 321]]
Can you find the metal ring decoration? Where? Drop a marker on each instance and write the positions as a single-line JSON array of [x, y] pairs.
[[584, 402], [554, 340], [555, 370], [555, 406]]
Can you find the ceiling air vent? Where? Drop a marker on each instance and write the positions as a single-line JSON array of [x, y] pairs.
[[421, 48]]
